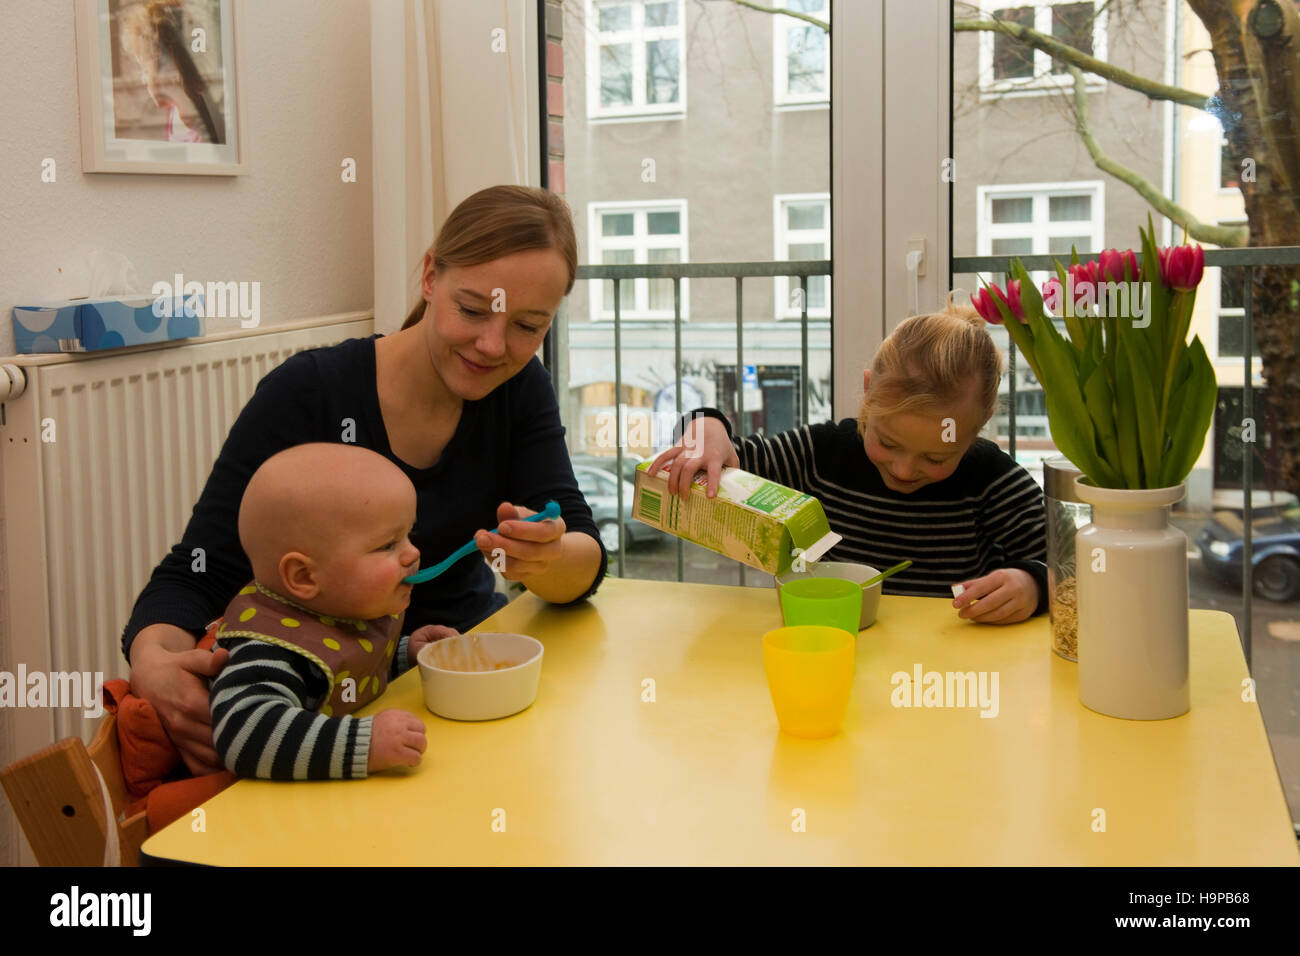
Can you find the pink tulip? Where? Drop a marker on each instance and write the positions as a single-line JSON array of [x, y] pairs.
[[1181, 267], [986, 307], [1011, 299], [1111, 265], [1085, 283], [1053, 296]]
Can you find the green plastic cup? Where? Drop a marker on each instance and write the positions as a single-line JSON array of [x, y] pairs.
[[826, 602]]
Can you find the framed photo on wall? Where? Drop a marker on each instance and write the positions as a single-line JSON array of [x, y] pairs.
[[159, 87]]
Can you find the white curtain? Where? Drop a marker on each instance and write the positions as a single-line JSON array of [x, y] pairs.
[[454, 108]]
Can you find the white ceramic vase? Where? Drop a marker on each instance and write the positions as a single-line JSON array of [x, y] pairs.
[[1132, 586]]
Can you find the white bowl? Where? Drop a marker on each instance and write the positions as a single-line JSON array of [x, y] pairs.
[[483, 695], [856, 573]]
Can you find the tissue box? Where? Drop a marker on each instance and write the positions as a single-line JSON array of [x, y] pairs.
[[752, 520], [91, 325], [39, 328]]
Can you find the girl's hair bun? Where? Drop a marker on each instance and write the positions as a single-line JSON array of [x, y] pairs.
[[934, 361]]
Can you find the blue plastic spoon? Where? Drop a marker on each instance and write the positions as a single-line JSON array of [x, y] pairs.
[[552, 510]]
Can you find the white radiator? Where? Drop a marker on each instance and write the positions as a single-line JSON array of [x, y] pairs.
[[88, 515]]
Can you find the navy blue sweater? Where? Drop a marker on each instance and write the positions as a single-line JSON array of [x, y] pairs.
[[508, 446]]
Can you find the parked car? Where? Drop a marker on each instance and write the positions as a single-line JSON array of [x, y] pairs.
[[609, 463], [597, 486], [1275, 543]]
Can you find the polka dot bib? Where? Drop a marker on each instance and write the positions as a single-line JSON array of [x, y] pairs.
[[354, 656]]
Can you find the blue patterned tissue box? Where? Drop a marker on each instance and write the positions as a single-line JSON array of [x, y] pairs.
[[92, 325]]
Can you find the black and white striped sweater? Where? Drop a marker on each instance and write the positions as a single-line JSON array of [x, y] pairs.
[[264, 719], [986, 515]]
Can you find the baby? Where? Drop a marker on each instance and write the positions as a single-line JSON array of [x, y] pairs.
[[317, 634]]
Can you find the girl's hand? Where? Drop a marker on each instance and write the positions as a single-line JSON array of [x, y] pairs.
[[426, 635], [704, 447], [1006, 596], [520, 549]]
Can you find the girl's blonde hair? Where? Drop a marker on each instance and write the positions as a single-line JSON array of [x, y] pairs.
[[500, 221], [930, 362]]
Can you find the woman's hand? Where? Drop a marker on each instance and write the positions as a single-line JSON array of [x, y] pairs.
[[704, 447], [521, 549], [1006, 596], [169, 672]]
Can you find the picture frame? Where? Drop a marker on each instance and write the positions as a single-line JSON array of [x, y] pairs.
[[159, 86]]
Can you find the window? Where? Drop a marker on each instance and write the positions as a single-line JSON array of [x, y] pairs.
[[634, 58], [801, 55], [1232, 312], [625, 233], [1007, 65], [803, 231], [1041, 218]]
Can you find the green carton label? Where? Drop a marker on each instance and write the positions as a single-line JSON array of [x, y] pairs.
[[769, 497]]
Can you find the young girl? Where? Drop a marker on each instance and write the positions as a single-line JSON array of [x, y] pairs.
[[911, 478]]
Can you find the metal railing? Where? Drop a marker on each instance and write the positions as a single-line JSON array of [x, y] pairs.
[[699, 270], [1249, 259]]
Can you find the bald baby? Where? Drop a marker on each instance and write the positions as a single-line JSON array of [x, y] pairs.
[[327, 525]]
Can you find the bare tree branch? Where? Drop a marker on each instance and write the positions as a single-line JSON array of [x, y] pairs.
[[1219, 235], [1077, 58], [807, 17]]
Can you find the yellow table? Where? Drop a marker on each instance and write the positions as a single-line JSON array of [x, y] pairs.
[[596, 773]]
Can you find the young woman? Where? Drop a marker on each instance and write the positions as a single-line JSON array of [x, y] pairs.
[[457, 399]]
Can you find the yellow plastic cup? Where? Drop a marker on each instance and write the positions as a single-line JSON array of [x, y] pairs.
[[810, 675], [828, 602]]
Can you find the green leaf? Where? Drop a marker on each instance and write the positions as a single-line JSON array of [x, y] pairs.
[[1067, 415], [1130, 457], [1100, 403], [1151, 437], [1157, 302], [1190, 417]]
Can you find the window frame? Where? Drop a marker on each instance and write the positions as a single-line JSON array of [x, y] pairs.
[[780, 252], [782, 98], [596, 246], [637, 36], [1220, 311], [1042, 82], [985, 228]]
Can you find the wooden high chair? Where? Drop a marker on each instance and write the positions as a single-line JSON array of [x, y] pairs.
[[59, 800]]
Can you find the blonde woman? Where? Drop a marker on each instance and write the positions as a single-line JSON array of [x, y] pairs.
[[910, 479], [457, 400]]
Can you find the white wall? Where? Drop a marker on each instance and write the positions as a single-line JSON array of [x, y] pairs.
[[291, 223]]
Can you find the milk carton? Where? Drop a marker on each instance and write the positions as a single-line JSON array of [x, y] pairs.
[[753, 520]]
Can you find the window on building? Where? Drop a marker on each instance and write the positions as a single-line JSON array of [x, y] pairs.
[[1007, 64], [625, 233], [634, 58], [802, 54], [803, 231], [1232, 312], [1038, 219]]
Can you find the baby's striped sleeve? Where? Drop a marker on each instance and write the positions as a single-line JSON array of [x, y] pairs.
[[264, 724]]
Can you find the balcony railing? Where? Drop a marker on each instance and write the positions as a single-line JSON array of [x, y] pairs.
[[739, 271]]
